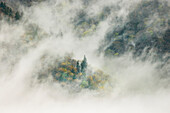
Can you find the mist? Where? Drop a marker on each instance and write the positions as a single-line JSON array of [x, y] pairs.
[[49, 30]]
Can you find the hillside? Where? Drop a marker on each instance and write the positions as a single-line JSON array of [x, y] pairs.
[[7, 11], [148, 26], [84, 56]]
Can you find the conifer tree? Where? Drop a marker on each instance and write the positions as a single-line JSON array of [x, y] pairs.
[[78, 67], [1, 4], [10, 12], [17, 15], [84, 64]]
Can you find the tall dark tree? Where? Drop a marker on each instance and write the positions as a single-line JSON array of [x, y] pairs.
[[84, 64], [1, 4], [6, 11], [10, 12], [78, 67], [17, 15]]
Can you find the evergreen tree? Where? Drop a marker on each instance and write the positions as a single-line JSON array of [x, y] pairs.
[[17, 15], [10, 12], [1, 4], [84, 64], [6, 11], [78, 67]]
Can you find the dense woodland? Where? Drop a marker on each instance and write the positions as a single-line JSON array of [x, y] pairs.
[[75, 73], [146, 28], [78, 72], [5, 10]]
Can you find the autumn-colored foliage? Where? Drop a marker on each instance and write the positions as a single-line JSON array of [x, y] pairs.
[[71, 71]]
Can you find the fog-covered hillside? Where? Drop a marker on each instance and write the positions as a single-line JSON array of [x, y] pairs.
[[84, 56]]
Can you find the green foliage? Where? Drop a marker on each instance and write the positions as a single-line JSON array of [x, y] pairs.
[[84, 65], [116, 54], [78, 67], [17, 16], [145, 28], [6, 10], [84, 84], [109, 52], [70, 71]]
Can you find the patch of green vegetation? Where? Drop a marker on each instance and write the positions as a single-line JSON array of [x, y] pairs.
[[9, 12], [73, 71]]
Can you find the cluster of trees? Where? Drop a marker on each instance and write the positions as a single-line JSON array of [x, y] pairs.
[[70, 71], [6, 10], [86, 25], [96, 80], [83, 66], [145, 27]]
